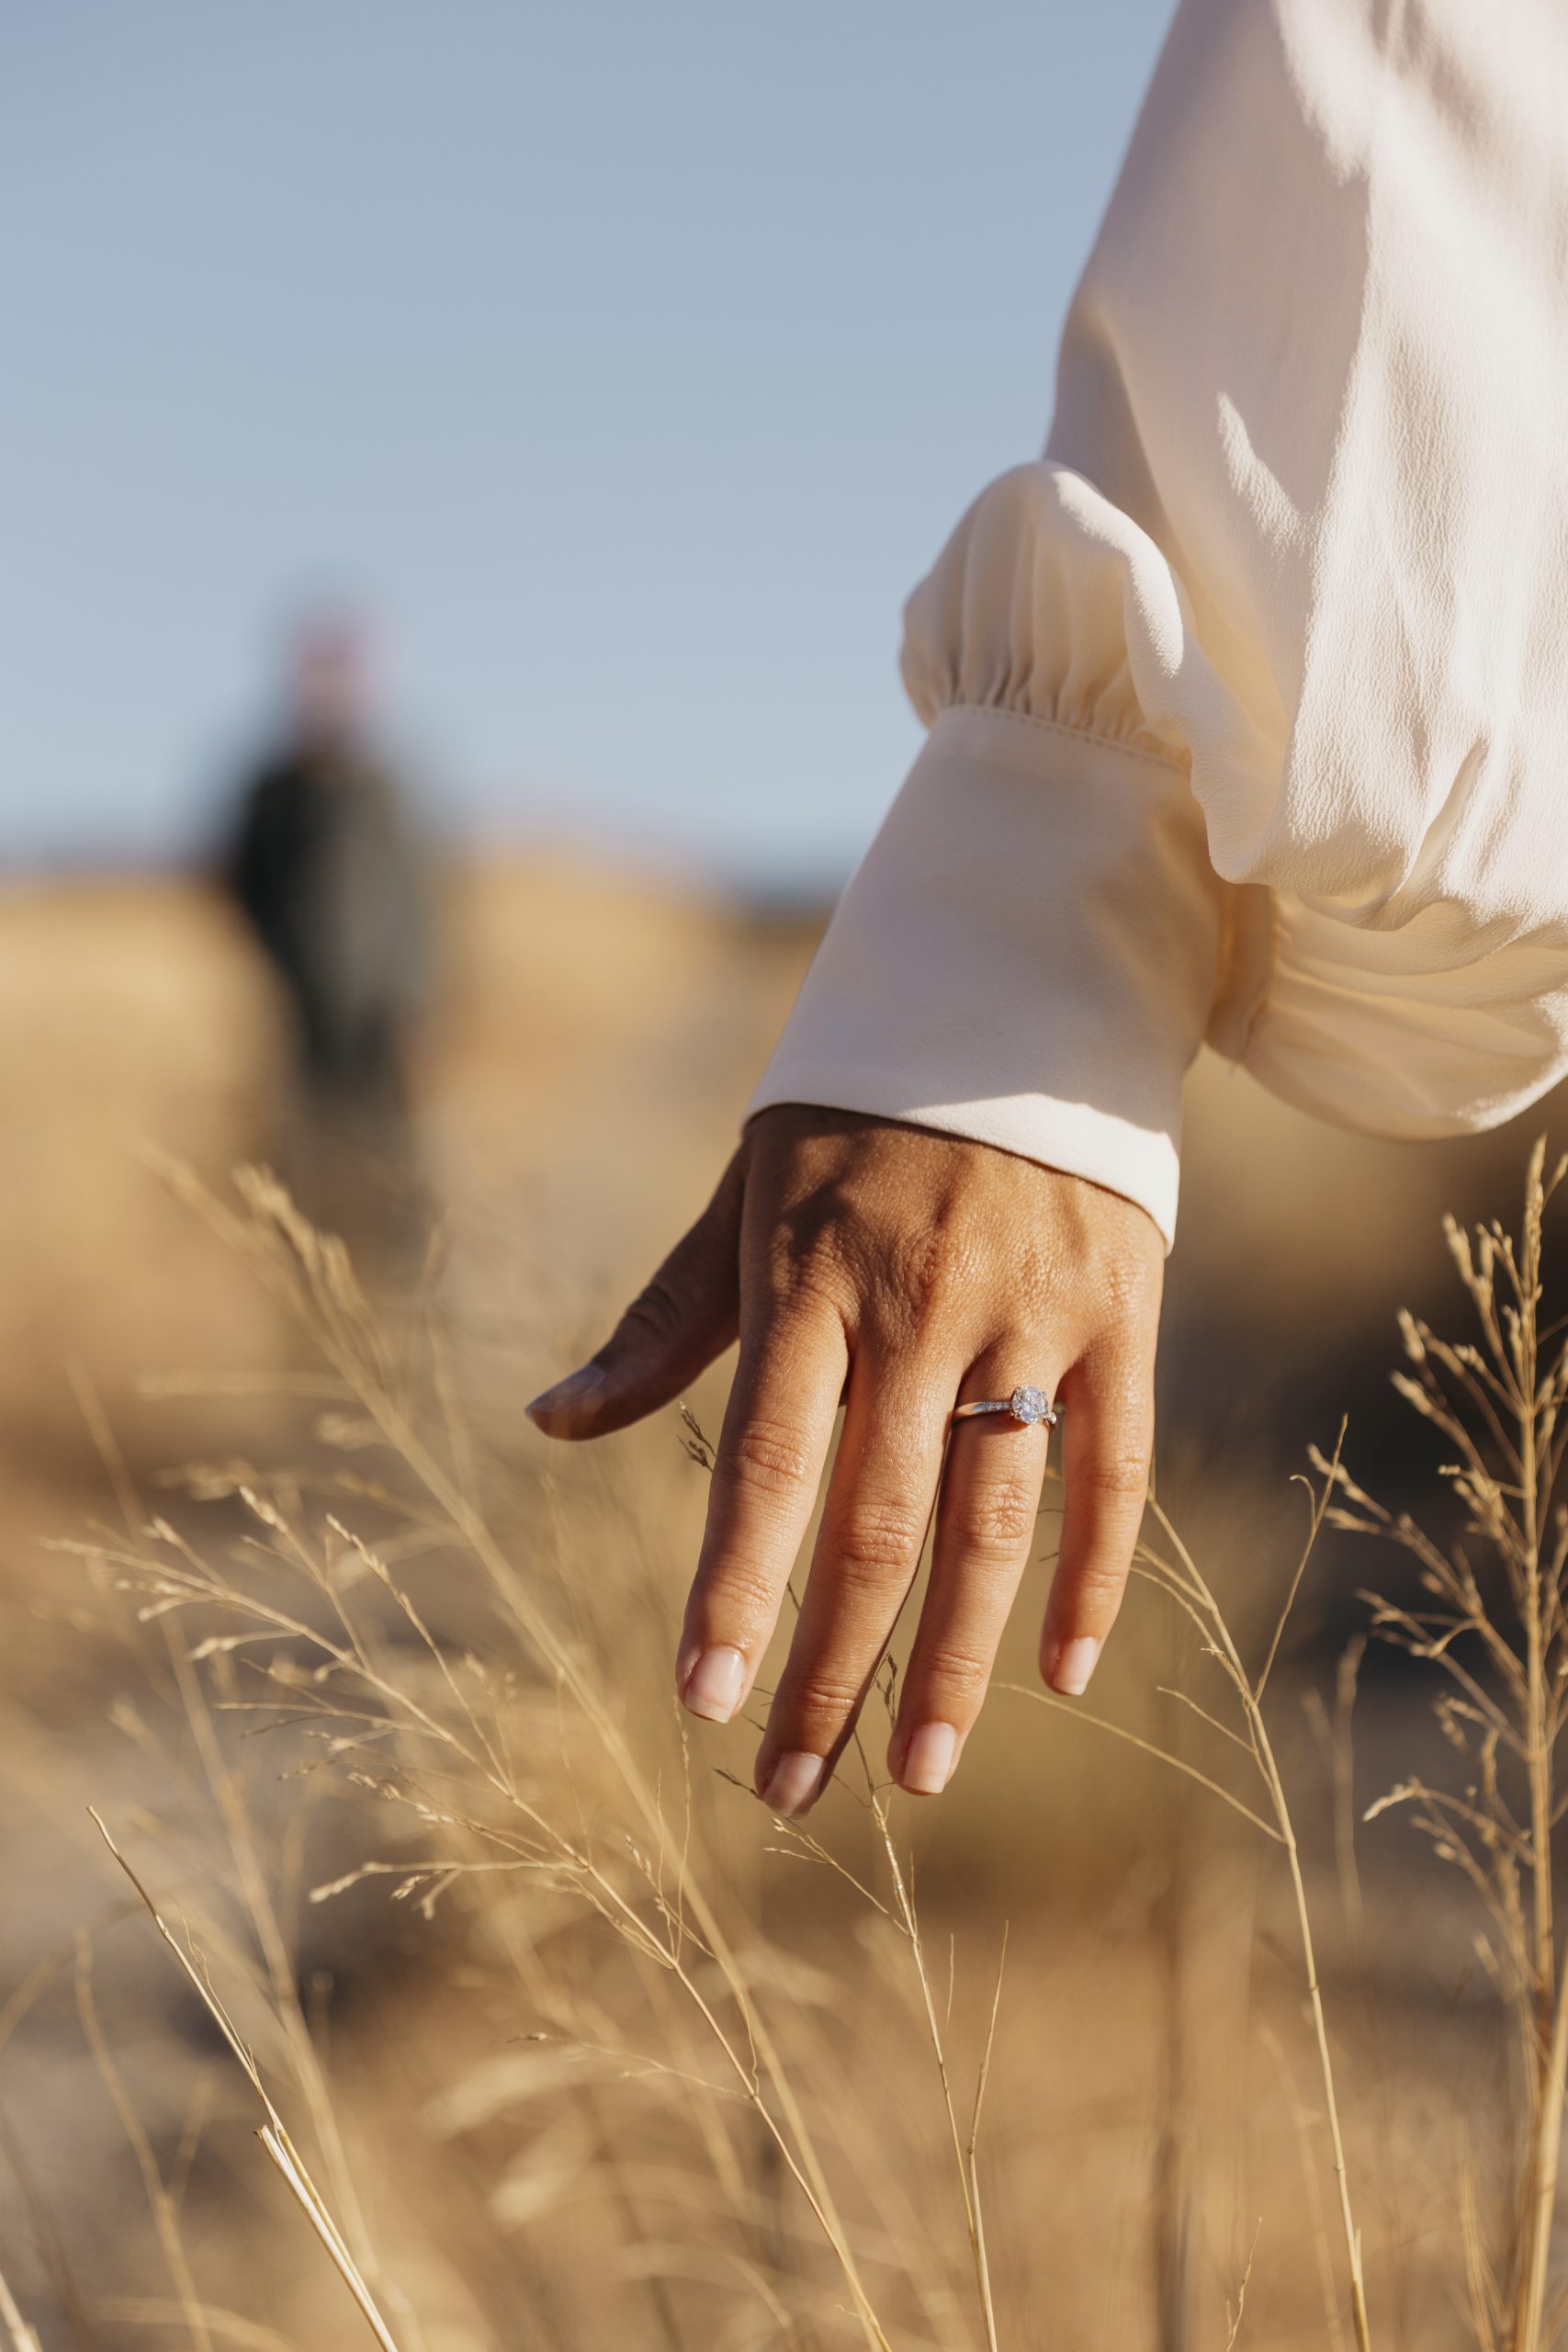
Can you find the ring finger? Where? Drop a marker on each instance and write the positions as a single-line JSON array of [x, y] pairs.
[[987, 1517]]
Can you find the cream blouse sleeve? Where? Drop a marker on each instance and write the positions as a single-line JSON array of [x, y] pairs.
[[1248, 701], [1028, 952]]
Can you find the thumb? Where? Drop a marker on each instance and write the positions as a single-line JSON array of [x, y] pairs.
[[688, 1315]]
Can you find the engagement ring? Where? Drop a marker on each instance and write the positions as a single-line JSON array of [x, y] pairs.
[[1025, 1405]]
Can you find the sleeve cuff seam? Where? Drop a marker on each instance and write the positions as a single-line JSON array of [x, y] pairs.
[[1178, 760]]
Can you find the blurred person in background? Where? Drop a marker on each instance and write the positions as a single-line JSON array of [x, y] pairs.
[[1248, 703], [327, 868], [327, 865]]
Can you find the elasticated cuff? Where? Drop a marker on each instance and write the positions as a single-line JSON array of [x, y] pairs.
[[1027, 956]]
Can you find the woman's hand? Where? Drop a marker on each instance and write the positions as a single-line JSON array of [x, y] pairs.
[[901, 1272]]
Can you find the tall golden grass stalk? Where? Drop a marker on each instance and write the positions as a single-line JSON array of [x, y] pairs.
[[432, 1743], [230, 2328], [524, 1766], [662, 1909], [273, 2135], [1175, 1574], [1498, 1634]]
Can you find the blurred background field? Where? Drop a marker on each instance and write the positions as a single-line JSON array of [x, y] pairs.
[[577, 1084], [615, 374]]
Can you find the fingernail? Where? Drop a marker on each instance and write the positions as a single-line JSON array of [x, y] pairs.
[[713, 1687], [1075, 1662], [565, 1394], [928, 1760], [792, 1786]]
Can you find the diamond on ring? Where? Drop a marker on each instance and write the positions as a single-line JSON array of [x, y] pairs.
[[1030, 1407]]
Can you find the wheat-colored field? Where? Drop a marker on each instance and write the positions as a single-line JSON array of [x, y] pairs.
[[571, 2044]]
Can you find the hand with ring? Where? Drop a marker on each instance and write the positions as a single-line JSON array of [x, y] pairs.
[[954, 1298]]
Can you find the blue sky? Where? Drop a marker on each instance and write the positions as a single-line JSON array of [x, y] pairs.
[[629, 364]]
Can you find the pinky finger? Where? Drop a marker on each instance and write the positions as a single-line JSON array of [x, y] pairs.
[[1107, 1441]]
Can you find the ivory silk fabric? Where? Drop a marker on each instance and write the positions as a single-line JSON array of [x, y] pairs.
[[1248, 701]]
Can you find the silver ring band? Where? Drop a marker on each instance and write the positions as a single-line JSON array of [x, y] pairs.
[[1029, 1406]]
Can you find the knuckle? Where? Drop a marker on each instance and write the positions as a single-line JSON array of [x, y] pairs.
[[1117, 1369], [997, 1524], [825, 1694], [1118, 1477], [955, 1667], [766, 1456], [1128, 1288], [805, 1275], [1096, 1588], [877, 1539], [737, 1593], [927, 1271], [798, 1343], [655, 1313]]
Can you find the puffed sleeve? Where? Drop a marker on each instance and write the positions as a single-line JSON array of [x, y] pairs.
[[1246, 700], [1028, 953]]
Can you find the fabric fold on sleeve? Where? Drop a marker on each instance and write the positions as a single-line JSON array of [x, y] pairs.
[[1247, 699], [1027, 956]]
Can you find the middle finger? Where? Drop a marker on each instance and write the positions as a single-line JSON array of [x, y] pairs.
[[868, 1550]]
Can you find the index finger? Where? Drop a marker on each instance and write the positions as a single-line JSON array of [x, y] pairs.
[[766, 1473]]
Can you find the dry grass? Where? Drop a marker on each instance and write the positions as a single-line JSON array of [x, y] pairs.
[[551, 2036], [1496, 1628], [521, 1797]]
